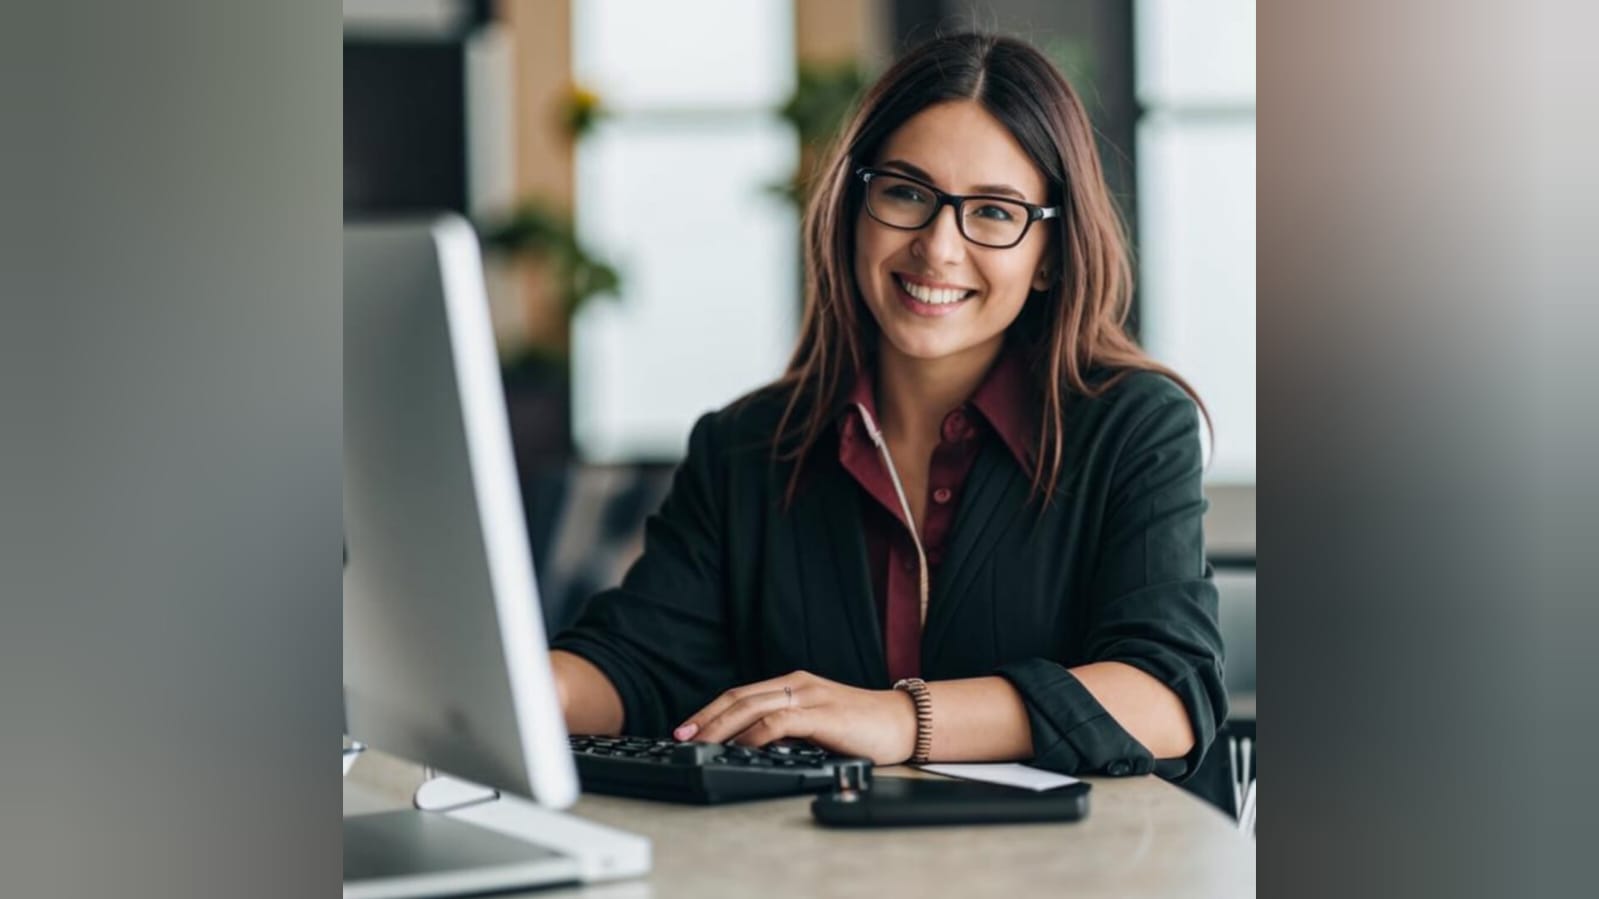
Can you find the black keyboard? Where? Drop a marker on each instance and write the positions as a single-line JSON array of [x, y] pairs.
[[707, 773]]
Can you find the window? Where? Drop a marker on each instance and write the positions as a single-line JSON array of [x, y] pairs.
[[673, 187], [1195, 71]]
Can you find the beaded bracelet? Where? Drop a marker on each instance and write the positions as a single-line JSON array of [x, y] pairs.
[[923, 698]]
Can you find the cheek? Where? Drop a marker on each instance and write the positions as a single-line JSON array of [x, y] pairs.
[[1009, 283], [862, 257], [1017, 268], [872, 249]]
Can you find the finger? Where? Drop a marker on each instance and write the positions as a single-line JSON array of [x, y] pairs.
[[787, 722], [738, 715], [742, 714], [696, 722]]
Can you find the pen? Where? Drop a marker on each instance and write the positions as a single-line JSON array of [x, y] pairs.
[[1246, 816], [1235, 770]]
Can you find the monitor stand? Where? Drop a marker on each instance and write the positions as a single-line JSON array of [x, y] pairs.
[[465, 838]]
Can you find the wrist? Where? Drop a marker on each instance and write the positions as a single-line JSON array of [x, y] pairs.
[[904, 718], [922, 705]]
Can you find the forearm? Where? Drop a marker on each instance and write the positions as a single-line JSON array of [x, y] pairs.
[[978, 719], [984, 718], [1144, 707], [589, 700]]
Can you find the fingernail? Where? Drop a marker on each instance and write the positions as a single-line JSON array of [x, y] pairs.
[[686, 731]]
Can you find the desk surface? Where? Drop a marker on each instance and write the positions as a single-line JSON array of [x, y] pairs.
[[1143, 837]]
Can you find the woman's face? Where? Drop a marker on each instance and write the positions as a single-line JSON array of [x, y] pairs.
[[936, 295]]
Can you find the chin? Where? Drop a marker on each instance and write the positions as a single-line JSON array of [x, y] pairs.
[[927, 346]]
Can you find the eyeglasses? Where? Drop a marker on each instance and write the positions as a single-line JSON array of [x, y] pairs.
[[906, 203]]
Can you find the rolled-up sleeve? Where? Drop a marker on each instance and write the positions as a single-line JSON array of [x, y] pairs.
[[1153, 607], [661, 637]]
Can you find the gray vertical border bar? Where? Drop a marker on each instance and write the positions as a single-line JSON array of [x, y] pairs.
[[170, 427]]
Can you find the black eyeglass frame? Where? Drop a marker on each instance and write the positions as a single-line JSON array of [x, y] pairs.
[[941, 199]]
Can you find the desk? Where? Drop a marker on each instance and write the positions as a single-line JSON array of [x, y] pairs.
[[1143, 838]]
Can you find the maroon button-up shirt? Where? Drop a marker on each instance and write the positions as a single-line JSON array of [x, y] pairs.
[[1001, 408]]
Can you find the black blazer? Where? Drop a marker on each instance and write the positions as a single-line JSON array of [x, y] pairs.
[[731, 588]]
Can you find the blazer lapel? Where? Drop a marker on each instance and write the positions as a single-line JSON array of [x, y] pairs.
[[996, 493], [831, 547]]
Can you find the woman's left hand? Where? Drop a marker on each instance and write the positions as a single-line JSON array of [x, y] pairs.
[[876, 724]]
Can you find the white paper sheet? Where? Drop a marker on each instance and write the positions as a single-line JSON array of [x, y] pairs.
[[1009, 774]]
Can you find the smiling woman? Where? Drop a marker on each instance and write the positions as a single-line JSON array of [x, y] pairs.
[[922, 265], [966, 523]]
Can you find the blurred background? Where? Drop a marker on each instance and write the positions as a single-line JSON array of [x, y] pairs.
[[636, 170]]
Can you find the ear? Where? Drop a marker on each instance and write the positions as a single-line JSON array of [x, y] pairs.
[[1046, 274]]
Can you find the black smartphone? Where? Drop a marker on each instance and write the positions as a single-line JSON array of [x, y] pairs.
[[907, 802]]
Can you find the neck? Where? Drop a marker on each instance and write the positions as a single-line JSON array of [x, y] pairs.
[[914, 395]]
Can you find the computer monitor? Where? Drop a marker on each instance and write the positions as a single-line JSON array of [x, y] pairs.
[[445, 656]]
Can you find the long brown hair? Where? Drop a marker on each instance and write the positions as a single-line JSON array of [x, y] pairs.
[[1074, 328]]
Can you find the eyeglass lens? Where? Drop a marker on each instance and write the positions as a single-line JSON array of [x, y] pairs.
[[903, 203]]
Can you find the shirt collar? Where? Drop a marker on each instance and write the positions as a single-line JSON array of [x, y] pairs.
[[1004, 398]]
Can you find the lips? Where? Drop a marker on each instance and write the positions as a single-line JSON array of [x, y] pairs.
[[933, 296], [932, 302]]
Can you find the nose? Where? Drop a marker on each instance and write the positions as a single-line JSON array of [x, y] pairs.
[[940, 240]]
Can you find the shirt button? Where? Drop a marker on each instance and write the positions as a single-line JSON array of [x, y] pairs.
[[954, 426], [941, 495], [1119, 768]]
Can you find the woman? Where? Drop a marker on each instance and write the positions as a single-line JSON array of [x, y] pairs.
[[965, 524]]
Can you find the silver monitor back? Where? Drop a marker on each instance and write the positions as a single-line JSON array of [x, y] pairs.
[[445, 657]]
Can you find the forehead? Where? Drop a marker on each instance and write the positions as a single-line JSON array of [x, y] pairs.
[[960, 144]]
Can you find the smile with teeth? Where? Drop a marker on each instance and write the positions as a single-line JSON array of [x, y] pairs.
[[933, 296]]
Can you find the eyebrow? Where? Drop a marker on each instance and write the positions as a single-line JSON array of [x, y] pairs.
[[1003, 190]]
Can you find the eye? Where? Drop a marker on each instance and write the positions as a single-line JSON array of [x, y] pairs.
[[994, 212], [904, 193]]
